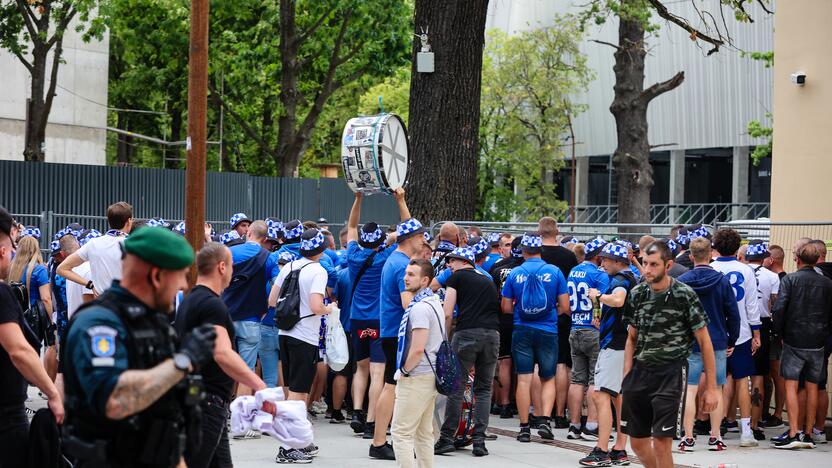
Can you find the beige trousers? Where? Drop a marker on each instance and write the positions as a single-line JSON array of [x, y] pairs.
[[412, 427]]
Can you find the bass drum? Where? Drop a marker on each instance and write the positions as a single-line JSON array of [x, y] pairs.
[[374, 154]]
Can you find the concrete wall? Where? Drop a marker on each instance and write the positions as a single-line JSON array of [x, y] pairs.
[[720, 95], [75, 132]]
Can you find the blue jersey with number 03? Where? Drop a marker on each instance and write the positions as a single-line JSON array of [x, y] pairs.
[[581, 279]]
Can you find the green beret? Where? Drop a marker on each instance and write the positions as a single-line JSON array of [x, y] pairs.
[[160, 247]]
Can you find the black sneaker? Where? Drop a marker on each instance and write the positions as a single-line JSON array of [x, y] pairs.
[[525, 434], [596, 457], [758, 434], [384, 452], [589, 434], [574, 433], [545, 431], [731, 426], [772, 422], [701, 428], [479, 449], [790, 442], [357, 424], [619, 457], [369, 430], [495, 409], [443, 446], [337, 417], [807, 441], [561, 422], [292, 456], [783, 436], [533, 421], [506, 412], [686, 445], [311, 450]]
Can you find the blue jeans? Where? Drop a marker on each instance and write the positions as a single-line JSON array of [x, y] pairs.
[[530, 346], [696, 367], [247, 340], [269, 353]]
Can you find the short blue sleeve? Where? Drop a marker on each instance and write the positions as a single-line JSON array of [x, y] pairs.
[[560, 283], [39, 276], [96, 343], [442, 279], [508, 286], [602, 281], [331, 271]]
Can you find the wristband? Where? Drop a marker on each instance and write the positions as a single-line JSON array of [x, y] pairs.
[[89, 284], [404, 372]]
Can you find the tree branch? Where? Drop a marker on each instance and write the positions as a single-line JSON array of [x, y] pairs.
[[23, 60], [695, 34], [53, 81], [300, 38], [28, 18], [240, 120], [660, 88], [60, 28], [763, 6], [606, 43], [663, 145]]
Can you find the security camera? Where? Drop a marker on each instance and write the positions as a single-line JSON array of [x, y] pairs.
[[799, 78]]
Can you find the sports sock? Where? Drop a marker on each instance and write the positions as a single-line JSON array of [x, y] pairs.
[[746, 426], [592, 426]]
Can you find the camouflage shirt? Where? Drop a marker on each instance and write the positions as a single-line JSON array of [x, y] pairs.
[[665, 322]]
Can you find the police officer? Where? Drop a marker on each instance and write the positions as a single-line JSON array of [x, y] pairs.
[[126, 388]]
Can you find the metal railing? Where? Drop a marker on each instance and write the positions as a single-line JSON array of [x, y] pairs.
[[582, 231], [704, 213]]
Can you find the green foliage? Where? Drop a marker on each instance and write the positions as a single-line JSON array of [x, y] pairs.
[[528, 84], [15, 37], [395, 94], [766, 57], [759, 130], [599, 11]]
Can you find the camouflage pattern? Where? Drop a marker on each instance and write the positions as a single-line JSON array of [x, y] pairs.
[[665, 322]]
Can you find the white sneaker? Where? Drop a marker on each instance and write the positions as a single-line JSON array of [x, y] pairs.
[[819, 437], [748, 441], [249, 434]]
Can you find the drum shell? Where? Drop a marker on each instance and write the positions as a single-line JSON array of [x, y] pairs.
[[362, 153]]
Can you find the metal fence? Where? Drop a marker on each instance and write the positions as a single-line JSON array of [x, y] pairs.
[[582, 231], [784, 234], [705, 213]]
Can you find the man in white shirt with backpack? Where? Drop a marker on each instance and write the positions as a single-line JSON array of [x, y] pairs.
[[299, 307]]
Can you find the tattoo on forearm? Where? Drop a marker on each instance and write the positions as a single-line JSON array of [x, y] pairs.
[[138, 389]]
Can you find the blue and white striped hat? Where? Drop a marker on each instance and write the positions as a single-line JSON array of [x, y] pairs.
[[479, 246], [531, 243], [494, 239], [229, 236], [594, 247], [615, 251], [157, 222], [672, 245], [30, 231], [238, 218], [88, 235], [292, 231], [462, 253], [757, 250], [312, 242], [180, 228], [371, 236], [408, 228], [568, 240], [286, 257]]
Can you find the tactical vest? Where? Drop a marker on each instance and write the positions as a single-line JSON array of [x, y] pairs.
[[153, 438]]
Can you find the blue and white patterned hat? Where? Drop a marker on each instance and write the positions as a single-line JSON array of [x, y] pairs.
[[292, 231], [672, 245], [286, 257], [515, 247], [30, 231], [157, 222], [531, 243], [74, 228], [55, 246], [594, 247], [479, 246], [494, 239], [229, 236], [312, 242], [428, 237], [88, 235], [273, 234], [409, 228], [699, 231], [58, 235], [683, 238], [462, 253], [180, 228], [238, 218], [371, 236], [757, 250], [445, 246], [616, 252], [274, 223], [568, 240]]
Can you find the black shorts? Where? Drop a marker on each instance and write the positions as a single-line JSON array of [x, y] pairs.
[[300, 363], [564, 349], [653, 400], [391, 348], [762, 362], [506, 329]]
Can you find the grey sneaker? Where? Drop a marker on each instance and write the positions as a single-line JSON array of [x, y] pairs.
[[292, 456]]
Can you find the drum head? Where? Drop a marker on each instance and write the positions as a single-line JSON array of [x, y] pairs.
[[394, 153]]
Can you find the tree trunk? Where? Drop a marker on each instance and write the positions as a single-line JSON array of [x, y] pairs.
[[35, 149], [445, 111]]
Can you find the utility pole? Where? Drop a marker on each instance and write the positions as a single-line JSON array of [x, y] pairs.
[[197, 128]]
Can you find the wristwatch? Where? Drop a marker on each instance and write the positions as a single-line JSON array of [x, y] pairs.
[[182, 362], [89, 284]]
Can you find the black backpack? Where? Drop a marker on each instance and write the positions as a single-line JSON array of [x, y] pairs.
[[287, 310], [38, 325]]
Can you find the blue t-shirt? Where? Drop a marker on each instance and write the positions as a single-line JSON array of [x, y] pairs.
[[342, 291], [40, 276], [333, 256], [489, 262], [390, 300], [243, 252], [580, 280], [365, 303], [635, 271], [446, 273], [58, 284], [325, 261], [553, 282]]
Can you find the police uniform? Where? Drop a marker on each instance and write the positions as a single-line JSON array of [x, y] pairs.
[[113, 334]]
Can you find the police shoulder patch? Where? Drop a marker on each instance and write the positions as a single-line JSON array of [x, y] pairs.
[[102, 341]]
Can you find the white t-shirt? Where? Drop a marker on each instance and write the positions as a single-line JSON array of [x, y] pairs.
[[312, 280], [74, 291], [104, 255], [744, 284], [424, 316], [768, 283]]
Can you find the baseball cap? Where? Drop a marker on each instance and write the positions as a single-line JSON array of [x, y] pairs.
[[757, 250], [160, 247], [312, 243], [371, 236]]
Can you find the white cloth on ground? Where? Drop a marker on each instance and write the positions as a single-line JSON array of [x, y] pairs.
[[290, 427]]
